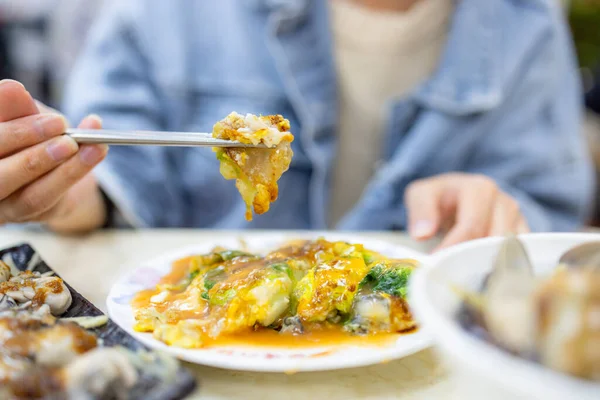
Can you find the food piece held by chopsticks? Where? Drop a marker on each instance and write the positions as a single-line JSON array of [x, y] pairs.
[[255, 170]]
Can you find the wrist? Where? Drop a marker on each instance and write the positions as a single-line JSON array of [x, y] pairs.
[[85, 210], [109, 210]]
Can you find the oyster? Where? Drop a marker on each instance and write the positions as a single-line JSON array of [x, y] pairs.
[[568, 322], [38, 289], [43, 356], [507, 309], [553, 320]]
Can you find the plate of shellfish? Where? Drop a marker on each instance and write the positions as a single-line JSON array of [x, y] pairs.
[[516, 317], [55, 344]]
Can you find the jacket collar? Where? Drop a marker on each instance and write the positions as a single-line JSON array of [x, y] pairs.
[[468, 78], [470, 75], [289, 10]]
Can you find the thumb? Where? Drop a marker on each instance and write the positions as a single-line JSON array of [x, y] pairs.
[[422, 200], [92, 121]]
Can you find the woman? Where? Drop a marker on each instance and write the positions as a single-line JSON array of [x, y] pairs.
[[432, 115]]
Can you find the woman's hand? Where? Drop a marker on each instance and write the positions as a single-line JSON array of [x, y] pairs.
[[465, 206], [44, 175]]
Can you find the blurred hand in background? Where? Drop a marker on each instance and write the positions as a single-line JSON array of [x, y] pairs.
[[461, 207]]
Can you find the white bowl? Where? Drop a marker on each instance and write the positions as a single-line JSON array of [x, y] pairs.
[[482, 370]]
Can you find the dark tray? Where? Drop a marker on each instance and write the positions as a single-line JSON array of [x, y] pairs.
[[148, 388]]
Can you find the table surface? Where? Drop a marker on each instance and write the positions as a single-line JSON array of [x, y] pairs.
[[91, 264]]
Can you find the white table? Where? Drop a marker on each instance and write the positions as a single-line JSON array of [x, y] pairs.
[[91, 264]]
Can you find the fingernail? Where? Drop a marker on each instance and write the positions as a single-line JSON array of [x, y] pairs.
[[96, 117], [92, 121], [7, 81], [92, 155], [422, 229], [62, 148], [49, 125]]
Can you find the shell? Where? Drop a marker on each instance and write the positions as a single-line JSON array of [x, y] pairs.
[[508, 308], [101, 372], [568, 312], [586, 255], [6, 302], [554, 320]]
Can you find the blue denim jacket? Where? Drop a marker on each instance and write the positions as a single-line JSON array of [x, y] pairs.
[[504, 102]]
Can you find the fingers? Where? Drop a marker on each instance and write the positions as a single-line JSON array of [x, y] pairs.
[[27, 131], [28, 165], [471, 206], [38, 165], [41, 173], [77, 195], [43, 194], [506, 218], [91, 122], [422, 200], [476, 198], [523, 226], [15, 101]]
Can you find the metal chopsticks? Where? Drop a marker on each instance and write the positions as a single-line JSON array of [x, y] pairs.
[[140, 138]]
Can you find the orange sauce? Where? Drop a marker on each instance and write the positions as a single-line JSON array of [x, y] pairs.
[[178, 272], [333, 336], [142, 298]]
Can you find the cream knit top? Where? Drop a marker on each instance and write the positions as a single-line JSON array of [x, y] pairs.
[[380, 57]]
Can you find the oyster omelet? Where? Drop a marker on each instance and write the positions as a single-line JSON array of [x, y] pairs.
[[305, 288], [255, 170]]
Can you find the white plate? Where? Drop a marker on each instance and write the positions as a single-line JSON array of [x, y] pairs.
[[481, 370], [263, 359]]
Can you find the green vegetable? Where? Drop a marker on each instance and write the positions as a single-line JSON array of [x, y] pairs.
[[283, 267], [369, 258], [193, 275], [391, 280], [204, 295], [227, 255], [211, 259], [228, 168], [373, 275], [222, 298], [214, 272], [231, 254], [209, 284]]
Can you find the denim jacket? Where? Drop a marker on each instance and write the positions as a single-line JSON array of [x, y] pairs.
[[504, 102]]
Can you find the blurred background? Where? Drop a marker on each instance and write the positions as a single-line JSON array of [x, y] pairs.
[[584, 18], [40, 41]]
